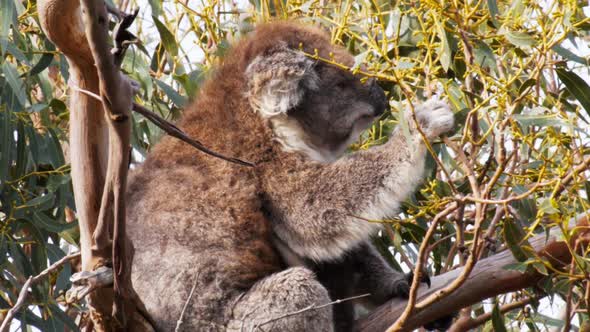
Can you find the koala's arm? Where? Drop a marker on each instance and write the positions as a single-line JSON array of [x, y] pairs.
[[316, 207]]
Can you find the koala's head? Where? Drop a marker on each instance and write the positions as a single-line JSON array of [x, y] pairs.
[[314, 107]]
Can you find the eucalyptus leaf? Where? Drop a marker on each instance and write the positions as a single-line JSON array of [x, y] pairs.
[[42, 220], [12, 77], [498, 319], [576, 86], [174, 96], [43, 63], [167, 37], [520, 39]]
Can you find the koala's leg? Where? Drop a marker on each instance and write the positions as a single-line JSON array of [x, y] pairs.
[[361, 270], [377, 277], [339, 278], [320, 210], [272, 304]]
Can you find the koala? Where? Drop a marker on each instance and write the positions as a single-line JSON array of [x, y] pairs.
[[258, 244]]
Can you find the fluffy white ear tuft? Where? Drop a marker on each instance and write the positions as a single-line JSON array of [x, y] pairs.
[[276, 81]]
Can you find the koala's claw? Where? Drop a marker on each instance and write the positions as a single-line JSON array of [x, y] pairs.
[[425, 278], [435, 117], [401, 288]]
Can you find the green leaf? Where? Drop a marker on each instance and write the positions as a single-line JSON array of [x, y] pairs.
[[7, 12], [222, 48], [11, 75], [444, 50], [514, 236], [494, 12], [520, 267], [484, 55], [498, 319], [37, 108], [520, 39], [569, 55], [167, 38], [40, 203], [43, 63], [539, 267], [57, 313], [42, 220], [54, 253], [576, 86], [174, 96], [5, 140], [54, 148], [10, 48], [541, 120], [548, 206]]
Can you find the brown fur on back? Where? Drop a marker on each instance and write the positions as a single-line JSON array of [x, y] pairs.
[[195, 219]]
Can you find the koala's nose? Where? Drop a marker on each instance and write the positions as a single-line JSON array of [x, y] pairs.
[[377, 97]]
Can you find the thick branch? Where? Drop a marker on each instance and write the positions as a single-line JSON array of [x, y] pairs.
[[92, 68], [488, 278], [88, 132]]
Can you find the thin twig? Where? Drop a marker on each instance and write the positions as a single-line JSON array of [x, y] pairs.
[[310, 307], [399, 323], [188, 300], [24, 292], [173, 130], [472, 323]]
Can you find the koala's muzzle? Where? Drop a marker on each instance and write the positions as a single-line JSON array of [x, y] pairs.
[[377, 97]]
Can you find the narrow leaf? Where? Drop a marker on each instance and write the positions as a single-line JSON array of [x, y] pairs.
[[174, 96], [498, 320], [576, 86], [43, 63], [167, 38], [14, 81], [520, 39]]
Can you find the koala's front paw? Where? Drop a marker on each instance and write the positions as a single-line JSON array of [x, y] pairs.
[[400, 287], [435, 117]]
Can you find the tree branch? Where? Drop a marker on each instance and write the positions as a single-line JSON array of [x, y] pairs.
[[172, 130], [99, 136], [24, 292], [488, 278]]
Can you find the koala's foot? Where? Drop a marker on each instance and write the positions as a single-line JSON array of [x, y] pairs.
[[400, 287], [424, 277], [441, 324], [435, 117]]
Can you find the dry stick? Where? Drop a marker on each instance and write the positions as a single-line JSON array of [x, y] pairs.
[[188, 300], [173, 130], [22, 295], [308, 308]]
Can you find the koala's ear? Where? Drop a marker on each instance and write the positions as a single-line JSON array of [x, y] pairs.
[[277, 80]]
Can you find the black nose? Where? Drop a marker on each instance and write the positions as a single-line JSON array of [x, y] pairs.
[[377, 97]]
